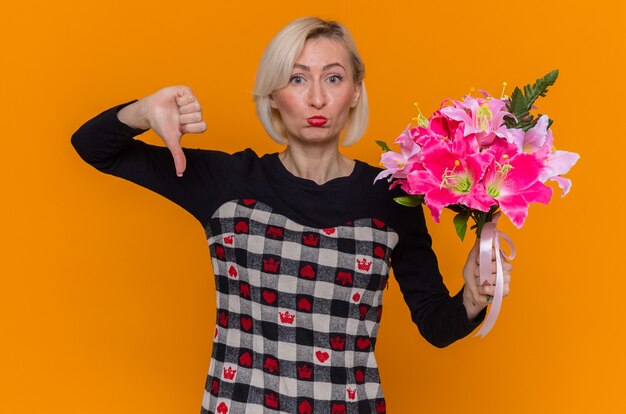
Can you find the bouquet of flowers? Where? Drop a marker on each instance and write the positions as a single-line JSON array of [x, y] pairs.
[[478, 157]]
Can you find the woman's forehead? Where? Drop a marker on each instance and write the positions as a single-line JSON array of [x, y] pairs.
[[322, 54]]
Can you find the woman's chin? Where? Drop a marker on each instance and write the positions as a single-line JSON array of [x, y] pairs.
[[315, 136]]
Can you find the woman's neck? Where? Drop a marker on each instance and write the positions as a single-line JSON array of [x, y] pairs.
[[316, 164]]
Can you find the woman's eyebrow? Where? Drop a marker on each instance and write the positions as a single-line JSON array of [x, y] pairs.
[[326, 67]]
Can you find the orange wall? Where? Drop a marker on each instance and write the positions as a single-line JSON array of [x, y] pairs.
[[106, 296]]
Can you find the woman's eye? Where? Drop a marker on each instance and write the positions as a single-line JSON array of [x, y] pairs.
[[335, 79], [297, 79]]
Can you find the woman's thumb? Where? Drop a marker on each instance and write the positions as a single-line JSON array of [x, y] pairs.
[[180, 162]]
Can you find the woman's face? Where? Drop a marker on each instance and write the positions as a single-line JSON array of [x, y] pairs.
[[314, 106]]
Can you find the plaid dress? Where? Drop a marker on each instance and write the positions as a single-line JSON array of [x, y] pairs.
[[300, 270]]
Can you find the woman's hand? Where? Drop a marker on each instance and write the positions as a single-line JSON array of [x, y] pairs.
[[476, 296], [170, 112]]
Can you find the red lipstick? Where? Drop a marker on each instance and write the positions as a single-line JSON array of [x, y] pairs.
[[317, 121]]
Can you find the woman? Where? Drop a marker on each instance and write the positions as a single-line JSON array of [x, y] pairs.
[[301, 241]]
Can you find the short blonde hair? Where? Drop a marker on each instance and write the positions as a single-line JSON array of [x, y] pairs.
[[277, 63]]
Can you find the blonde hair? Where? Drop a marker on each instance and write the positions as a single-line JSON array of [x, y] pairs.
[[277, 63]]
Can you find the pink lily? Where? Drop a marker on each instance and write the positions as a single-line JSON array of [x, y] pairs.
[[556, 164], [398, 165], [442, 125], [514, 182], [482, 117], [451, 174], [539, 140], [531, 140]]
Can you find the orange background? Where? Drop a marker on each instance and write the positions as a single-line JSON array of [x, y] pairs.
[[106, 296]]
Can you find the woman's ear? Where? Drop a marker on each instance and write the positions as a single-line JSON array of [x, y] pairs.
[[357, 94], [272, 103]]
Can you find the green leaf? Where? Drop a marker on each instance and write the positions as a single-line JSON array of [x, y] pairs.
[[460, 223], [521, 103], [410, 201], [383, 145]]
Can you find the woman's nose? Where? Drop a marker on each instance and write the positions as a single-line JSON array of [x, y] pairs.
[[317, 95]]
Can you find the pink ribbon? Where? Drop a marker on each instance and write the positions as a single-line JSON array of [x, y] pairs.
[[490, 245]]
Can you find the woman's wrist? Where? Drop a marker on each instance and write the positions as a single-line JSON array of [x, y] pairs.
[[472, 308], [135, 115]]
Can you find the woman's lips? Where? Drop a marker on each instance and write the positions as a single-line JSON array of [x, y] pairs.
[[317, 121]]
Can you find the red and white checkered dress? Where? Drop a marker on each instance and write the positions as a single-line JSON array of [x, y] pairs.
[[300, 270]]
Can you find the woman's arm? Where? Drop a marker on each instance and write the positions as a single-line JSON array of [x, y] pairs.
[[441, 319], [106, 142], [170, 112]]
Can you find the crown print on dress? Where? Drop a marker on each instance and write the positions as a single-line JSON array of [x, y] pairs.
[[381, 407], [364, 264], [229, 239], [351, 393], [337, 342], [305, 371], [271, 265], [311, 240], [232, 272], [271, 399], [271, 365], [275, 232], [344, 278], [229, 373], [287, 317]]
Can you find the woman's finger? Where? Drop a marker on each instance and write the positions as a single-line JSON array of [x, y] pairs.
[[191, 118], [191, 107], [195, 128]]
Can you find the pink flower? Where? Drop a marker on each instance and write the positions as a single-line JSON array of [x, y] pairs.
[[531, 140], [443, 126], [451, 174], [483, 117], [398, 165], [539, 140], [513, 180], [558, 163]]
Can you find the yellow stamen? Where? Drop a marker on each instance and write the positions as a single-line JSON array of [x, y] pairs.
[[502, 95], [457, 163], [420, 119], [505, 156]]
